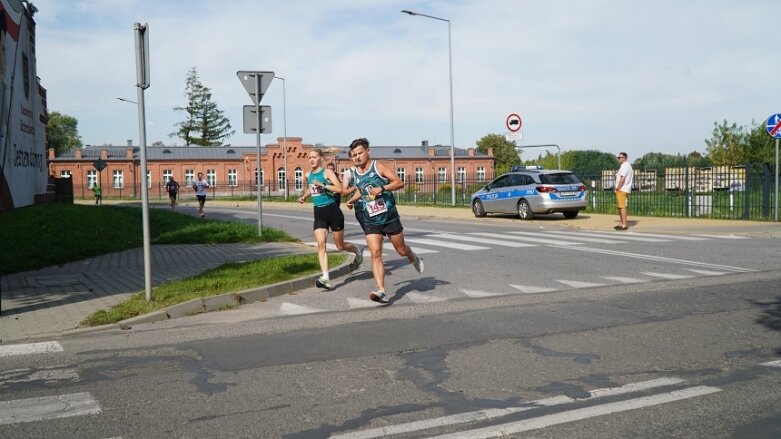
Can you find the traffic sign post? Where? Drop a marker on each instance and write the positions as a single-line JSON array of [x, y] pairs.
[[514, 123], [774, 129], [256, 84]]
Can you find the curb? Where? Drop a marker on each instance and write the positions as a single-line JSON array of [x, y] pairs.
[[228, 300]]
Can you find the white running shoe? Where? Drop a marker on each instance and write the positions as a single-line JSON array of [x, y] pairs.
[[322, 282], [418, 264], [378, 296], [358, 255]]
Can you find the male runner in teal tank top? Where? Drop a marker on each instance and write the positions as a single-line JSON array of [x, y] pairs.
[[375, 184], [323, 186]]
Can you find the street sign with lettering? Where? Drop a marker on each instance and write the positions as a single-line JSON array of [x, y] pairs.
[[247, 78]]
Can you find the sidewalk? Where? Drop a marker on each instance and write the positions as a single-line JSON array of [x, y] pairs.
[[53, 300]]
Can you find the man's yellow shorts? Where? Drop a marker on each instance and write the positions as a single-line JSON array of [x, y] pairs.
[[621, 198]]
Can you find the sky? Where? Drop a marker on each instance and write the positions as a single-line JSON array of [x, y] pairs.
[[607, 75]]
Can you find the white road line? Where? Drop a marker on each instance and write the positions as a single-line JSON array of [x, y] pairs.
[[332, 247], [658, 235], [585, 237], [47, 407], [476, 293], [504, 243], [707, 272], [293, 309], [661, 259], [445, 244], [721, 236], [776, 363], [352, 302], [47, 374], [30, 348], [529, 289], [671, 276], [625, 280], [424, 298], [611, 235], [527, 238], [580, 414], [579, 284], [488, 414]]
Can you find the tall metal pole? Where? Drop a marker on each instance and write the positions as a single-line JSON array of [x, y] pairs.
[[257, 142], [284, 140], [142, 74], [776, 197], [452, 135]]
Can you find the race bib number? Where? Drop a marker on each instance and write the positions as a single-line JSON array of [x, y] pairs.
[[316, 190], [376, 207]]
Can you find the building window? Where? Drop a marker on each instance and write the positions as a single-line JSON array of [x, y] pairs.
[[119, 179], [262, 176], [461, 174], [442, 176], [65, 174], [148, 178], [189, 177], [233, 177], [299, 174], [92, 178], [211, 177], [167, 174], [281, 178], [402, 173], [481, 173], [418, 175]]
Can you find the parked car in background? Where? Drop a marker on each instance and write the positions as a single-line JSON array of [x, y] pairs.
[[531, 192]]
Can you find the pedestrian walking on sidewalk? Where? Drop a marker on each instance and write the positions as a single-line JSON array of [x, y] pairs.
[[200, 187], [98, 191], [323, 186], [375, 184], [624, 180], [173, 190]]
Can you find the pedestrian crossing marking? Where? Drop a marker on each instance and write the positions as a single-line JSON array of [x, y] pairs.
[[526, 239], [30, 348], [475, 293], [582, 237], [424, 298], [47, 374], [625, 280], [534, 237], [48, 407], [659, 235], [623, 236], [722, 236], [579, 284], [776, 363], [478, 240], [293, 309], [528, 289], [445, 244], [352, 302], [671, 276]]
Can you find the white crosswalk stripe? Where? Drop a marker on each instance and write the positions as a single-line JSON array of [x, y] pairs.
[[579, 284], [614, 236], [529, 289], [671, 276], [585, 237], [30, 348], [503, 243], [48, 407], [532, 238], [439, 243], [707, 272], [625, 280], [659, 235], [288, 308], [361, 303], [476, 293], [424, 298]]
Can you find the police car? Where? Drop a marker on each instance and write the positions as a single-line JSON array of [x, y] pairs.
[[528, 192]]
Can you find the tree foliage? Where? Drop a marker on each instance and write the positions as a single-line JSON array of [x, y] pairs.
[[760, 146], [62, 132], [504, 151], [659, 161], [728, 144], [205, 124]]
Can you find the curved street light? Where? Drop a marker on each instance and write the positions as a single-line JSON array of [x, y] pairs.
[[452, 141]]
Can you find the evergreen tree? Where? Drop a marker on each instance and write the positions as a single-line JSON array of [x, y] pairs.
[[205, 124]]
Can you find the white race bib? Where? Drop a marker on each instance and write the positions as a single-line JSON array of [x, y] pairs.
[[376, 206]]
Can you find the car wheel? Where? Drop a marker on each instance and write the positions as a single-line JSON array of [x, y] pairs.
[[477, 209], [524, 210], [570, 214]]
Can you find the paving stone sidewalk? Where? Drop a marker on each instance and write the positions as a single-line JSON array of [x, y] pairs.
[[55, 299]]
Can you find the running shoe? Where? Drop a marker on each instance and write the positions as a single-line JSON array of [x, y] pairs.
[[378, 296], [358, 255], [322, 282], [418, 264]]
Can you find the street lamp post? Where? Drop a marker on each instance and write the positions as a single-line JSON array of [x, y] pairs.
[[284, 140], [452, 141]]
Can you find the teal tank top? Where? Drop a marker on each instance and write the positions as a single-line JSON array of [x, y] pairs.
[[382, 209], [320, 196]]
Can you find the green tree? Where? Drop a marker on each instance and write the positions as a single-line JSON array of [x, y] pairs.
[[504, 151], [62, 132], [205, 124], [728, 144], [761, 147]]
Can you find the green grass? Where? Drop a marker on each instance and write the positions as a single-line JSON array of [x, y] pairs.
[[227, 278], [53, 234]]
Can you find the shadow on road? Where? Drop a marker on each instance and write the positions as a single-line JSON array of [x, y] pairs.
[[771, 315]]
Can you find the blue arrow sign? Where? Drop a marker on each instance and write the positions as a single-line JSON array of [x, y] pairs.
[[774, 126]]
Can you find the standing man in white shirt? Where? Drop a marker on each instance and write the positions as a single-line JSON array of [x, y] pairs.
[[200, 187], [624, 179]]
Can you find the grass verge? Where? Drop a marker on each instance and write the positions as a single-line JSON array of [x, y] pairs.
[[227, 278]]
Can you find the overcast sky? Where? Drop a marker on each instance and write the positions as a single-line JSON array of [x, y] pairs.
[[589, 74]]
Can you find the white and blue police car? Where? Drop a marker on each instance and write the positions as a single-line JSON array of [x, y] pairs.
[[528, 192]]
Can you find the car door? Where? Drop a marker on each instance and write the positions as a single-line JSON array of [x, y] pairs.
[[492, 195]]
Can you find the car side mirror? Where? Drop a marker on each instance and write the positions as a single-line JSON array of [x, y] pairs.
[[487, 188]]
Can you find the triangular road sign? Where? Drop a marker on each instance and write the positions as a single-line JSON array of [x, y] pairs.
[[247, 78]]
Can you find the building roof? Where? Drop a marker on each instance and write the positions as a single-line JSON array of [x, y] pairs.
[[158, 153]]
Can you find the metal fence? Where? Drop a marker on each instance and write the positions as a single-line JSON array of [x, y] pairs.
[[726, 192]]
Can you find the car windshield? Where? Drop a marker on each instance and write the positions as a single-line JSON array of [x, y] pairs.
[[563, 178]]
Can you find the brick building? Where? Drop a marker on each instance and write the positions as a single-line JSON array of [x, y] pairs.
[[231, 169]]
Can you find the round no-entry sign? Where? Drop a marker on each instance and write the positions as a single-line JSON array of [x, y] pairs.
[[514, 123]]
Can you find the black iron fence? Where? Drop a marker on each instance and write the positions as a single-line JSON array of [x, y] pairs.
[[727, 192]]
